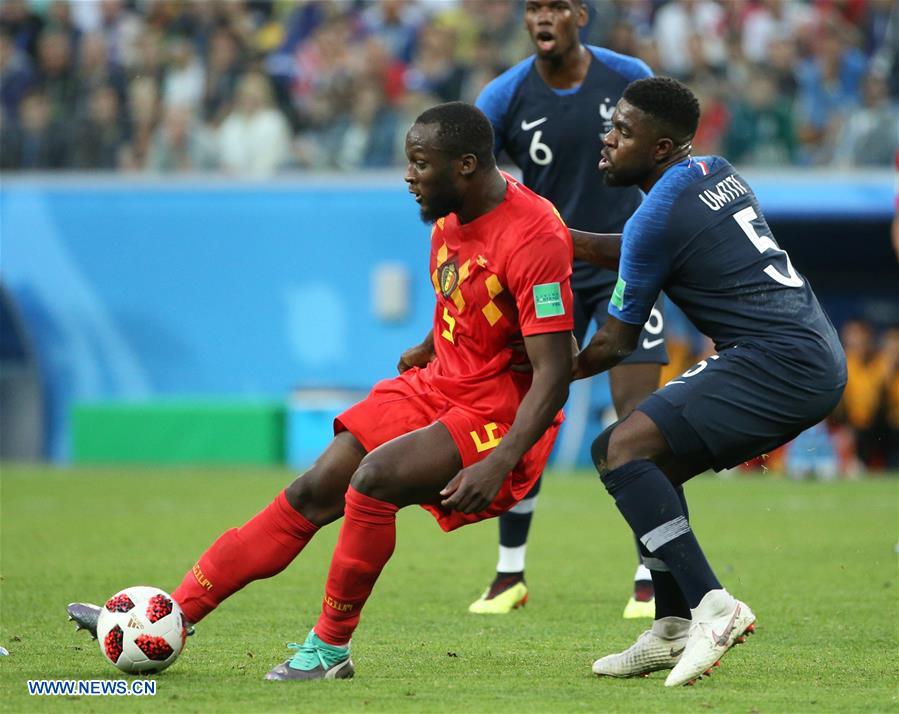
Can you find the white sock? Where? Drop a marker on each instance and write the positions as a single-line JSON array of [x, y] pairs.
[[511, 560], [642, 573]]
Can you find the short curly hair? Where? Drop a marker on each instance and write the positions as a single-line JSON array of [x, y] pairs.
[[463, 129], [670, 103]]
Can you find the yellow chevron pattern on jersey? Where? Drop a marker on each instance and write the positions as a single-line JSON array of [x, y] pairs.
[[491, 309]]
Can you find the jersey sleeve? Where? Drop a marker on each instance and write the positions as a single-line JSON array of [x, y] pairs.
[[628, 67], [644, 264], [539, 276], [495, 98]]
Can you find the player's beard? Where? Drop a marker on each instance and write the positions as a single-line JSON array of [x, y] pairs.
[[439, 203], [622, 177]]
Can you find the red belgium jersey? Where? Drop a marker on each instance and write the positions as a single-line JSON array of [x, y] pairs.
[[501, 277]]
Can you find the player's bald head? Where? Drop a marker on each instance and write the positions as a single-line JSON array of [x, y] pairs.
[[460, 128]]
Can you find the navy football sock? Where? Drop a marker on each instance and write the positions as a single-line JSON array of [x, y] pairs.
[[653, 509], [513, 529], [514, 526], [669, 599]]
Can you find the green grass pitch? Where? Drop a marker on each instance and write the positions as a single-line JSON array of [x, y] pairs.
[[816, 561]]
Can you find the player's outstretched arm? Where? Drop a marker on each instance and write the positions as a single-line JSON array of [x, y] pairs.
[[600, 249], [611, 344], [474, 488], [417, 356]]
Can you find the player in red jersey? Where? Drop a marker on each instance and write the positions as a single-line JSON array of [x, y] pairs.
[[465, 436]]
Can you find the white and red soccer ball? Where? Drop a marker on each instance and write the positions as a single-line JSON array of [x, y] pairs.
[[141, 629]]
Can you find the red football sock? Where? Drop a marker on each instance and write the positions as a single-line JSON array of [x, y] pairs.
[[366, 542], [260, 548]]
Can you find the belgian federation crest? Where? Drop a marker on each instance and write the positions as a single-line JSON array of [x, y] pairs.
[[449, 278]]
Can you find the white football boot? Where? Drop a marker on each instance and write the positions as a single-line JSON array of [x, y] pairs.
[[658, 648], [719, 622]]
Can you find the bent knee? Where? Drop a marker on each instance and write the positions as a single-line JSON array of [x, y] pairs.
[[599, 450], [318, 498], [372, 479], [635, 438]]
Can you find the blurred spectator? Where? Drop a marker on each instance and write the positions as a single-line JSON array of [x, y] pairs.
[[622, 38], [56, 74], [365, 137], [829, 89], [343, 71], [761, 125], [223, 65], [781, 61], [434, 69], [254, 139], [121, 27], [185, 77], [868, 137], [178, 144], [321, 75], [396, 23], [16, 76], [676, 25], [21, 24], [487, 64], [95, 71], [862, 399], [500, 28], [143, 112], [147, 59], [461, 21], [771, 20], [98, 138], [714, 119], [35, 141], [373, 64]]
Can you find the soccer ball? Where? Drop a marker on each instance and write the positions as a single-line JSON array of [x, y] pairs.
[[141, 629]]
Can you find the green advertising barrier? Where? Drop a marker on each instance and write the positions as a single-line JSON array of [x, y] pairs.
[[179, 432]]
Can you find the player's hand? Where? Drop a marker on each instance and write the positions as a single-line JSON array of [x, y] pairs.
[[417, 356], [473, 489], [580, 366]]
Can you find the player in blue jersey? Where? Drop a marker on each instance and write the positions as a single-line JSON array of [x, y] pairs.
[[549, 114], [700, 236]]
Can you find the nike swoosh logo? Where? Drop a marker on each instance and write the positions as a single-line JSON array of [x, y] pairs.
[[648, 344], [528, 125], [676, 653], [721, 640]]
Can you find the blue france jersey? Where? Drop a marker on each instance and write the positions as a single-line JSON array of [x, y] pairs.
[[555, 138], [701, 237]]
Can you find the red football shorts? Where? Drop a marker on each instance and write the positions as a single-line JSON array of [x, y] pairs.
[[397, 406]]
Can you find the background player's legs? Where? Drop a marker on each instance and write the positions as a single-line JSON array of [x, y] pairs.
[[411, 469], [508, 589], [630, 384], [267, 543]]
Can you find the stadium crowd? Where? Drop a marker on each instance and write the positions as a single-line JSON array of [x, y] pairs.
[[252, 87]]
